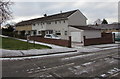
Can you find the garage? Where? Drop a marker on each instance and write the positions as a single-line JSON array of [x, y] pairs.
[[77, 33], [76, 36]]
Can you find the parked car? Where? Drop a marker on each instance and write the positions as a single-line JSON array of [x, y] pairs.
[[117, 36], [53, 36]]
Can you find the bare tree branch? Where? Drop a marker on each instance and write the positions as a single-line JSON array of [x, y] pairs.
[[5, 13]]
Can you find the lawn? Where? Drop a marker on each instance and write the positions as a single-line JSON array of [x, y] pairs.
[[13, 44]]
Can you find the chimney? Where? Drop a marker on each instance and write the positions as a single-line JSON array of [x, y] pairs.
[[60, 11], [45, 15]]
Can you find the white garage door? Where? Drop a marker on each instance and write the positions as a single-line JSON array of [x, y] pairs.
[[76, 36]]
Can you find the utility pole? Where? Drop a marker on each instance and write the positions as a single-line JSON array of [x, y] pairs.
[[34, 42], [27, 40]]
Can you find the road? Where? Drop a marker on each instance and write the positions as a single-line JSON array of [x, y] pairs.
[[59, 66]]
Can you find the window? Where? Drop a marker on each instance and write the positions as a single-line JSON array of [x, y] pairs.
[[58, 33], [55, 22], [50, 31], [64, 21], [39, 32], [48, 22], [65, 32], [41, 23], [33, 24]]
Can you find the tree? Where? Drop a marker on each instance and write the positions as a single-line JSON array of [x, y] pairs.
[[5, 13], [97, 22], [104, 21], [8, 30]]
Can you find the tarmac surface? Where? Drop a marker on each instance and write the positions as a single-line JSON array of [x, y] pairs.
[[95, 65]]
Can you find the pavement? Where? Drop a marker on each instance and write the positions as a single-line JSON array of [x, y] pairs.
[[36, 52], [33, 52]]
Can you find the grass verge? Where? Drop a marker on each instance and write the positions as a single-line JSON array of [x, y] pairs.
[[13, 44]]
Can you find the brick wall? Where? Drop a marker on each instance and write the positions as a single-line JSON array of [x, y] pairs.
[[66, 43], [106, 38]]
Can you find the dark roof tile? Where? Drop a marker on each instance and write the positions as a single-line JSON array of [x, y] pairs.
[[83, 27], [47, 18], [106, 26]]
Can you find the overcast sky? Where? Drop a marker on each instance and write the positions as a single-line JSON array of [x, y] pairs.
[[92, 10]]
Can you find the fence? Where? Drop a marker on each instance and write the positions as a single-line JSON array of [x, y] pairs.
[[106, 38], [66, 43]]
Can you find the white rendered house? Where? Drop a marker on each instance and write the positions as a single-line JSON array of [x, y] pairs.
[[58, 24]]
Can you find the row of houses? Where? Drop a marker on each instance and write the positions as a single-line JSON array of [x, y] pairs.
[[71, 23]]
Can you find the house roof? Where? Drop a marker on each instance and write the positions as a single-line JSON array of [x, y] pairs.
[[83, 27], [47, 18], [106, 26]]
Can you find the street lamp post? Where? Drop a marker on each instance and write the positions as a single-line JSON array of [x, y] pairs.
[[27, 39]]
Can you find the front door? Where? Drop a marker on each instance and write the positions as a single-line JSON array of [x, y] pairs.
[[43, 33]]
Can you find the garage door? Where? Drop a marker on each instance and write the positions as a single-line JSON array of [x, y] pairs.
[[76, 36]]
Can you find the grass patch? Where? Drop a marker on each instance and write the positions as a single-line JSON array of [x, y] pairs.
[[13, 44]]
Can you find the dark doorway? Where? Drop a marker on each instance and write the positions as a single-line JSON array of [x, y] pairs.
[[43, 33]]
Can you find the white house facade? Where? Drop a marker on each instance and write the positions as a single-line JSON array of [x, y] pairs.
[[59, 24], [59, 27]]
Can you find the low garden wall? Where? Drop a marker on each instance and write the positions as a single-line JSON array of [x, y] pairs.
[[106, 38], [66, 43]]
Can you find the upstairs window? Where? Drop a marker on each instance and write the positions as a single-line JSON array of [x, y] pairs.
[[55, 22], [48, 22], [33, 24], [64, 21], [38, 24]]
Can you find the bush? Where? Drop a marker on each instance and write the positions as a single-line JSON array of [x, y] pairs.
[[11, 34], [20, 36]]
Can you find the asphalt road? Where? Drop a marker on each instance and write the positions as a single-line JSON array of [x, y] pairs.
[[102, 64]]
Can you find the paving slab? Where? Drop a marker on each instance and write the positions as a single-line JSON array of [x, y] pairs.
[[33, 52]]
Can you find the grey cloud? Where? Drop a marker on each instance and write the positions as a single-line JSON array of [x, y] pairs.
[[92, 10]]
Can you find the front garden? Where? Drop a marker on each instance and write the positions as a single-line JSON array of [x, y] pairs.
[[14, 44]]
